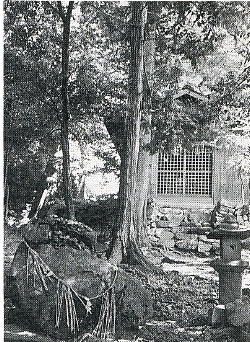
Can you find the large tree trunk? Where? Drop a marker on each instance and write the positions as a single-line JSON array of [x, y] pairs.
[[144, 159], [130, 195], [6, 187], [65, 110]]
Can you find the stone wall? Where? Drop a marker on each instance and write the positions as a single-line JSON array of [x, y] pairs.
[[187, 229], [183, 229]]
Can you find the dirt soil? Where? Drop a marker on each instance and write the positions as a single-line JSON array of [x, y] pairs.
[[182, 304]]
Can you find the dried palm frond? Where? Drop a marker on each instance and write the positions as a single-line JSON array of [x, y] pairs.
[[83, 337], [40, 271], [65, 296], [105, 327]]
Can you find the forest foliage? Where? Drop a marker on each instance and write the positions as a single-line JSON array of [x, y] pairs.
[[197, 43]]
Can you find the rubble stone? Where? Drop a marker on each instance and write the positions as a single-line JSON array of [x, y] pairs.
[[189, 242], [238, 312], [218, 316], [167, 239], [204, 245]]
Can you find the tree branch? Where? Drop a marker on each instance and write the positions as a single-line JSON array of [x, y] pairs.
[[60, 9], [64, 16], [70, 8], [53, 8]]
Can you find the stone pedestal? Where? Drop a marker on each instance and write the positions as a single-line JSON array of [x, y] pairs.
[[230, 279]]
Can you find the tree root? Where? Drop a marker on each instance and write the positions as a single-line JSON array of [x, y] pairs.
[[136, 258], [133, 256]]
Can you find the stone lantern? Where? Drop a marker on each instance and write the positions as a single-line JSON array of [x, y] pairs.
[[230, 266]]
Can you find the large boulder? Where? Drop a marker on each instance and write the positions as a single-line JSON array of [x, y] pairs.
[[88, 276]]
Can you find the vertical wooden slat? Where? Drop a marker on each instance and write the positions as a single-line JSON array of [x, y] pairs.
[[185, 172]]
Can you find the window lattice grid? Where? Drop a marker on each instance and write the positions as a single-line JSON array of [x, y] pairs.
[[185, 172]]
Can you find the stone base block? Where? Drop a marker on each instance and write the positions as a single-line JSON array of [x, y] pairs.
[[219, 316]]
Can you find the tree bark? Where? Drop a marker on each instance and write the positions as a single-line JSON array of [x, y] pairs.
[[144, 159], [133, 163], [65, 16], [6, 187]]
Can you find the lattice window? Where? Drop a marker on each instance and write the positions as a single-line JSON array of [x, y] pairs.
[[185, 172]]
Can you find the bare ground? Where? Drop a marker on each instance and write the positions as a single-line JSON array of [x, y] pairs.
[[182, 302]]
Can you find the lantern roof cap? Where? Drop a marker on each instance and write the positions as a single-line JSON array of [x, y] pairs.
[[189, 91]]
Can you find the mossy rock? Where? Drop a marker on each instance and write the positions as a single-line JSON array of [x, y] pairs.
[[88, 276]]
